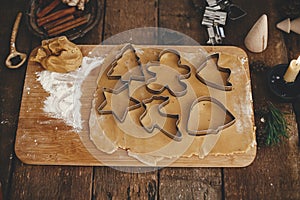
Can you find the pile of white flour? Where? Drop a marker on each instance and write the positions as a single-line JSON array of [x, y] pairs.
[[64, 91]]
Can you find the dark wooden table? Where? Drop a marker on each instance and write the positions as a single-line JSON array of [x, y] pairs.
[[275, 173]]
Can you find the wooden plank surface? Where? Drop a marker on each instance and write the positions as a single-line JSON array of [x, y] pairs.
[[125, 183], [183, 183], [185, 17], [275, 172], [51, 182], [49, 141], [265, 179], [113, 183], [196, 183], [10, 88], [128, 14], [57, 182]]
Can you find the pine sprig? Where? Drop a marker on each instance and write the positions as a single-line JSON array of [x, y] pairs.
[[276, 126]]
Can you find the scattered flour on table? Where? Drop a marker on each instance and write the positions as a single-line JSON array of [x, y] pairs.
[[65, 91]]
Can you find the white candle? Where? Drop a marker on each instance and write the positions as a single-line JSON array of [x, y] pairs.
[[292, 71]]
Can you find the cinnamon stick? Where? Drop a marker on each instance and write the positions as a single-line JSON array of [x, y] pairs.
[[56, 15], [59, 21], [68, 26], [48, 8]]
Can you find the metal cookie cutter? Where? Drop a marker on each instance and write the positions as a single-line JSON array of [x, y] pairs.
[[227, 86], [136, 73], [211, 130], [173, 134], [215, 16], [120, 108], [215, 34], [234, 11], [168, 78], [214, 19], [15, 59]]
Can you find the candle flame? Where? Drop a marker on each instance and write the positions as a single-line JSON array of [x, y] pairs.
[[298, 61]]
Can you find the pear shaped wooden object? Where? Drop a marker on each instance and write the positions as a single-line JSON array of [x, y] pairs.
[[257, 38], [285, 25], [295, 25]]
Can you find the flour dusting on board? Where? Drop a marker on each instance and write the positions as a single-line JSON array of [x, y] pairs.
[[65, 91]]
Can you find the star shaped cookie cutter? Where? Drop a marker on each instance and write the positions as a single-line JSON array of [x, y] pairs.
[[176, 135], [121, 107], [166, 81]]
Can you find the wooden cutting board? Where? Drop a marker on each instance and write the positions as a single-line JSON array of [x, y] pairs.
[[49, 141]]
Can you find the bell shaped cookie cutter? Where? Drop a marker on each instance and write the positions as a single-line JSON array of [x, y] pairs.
[[166, 81], [196, 132], [227, 86], [176, 135]]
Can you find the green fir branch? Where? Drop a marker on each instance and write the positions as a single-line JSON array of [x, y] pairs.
[[276, 126]]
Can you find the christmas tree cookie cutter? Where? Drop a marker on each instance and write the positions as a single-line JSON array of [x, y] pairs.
[[126, 71]]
